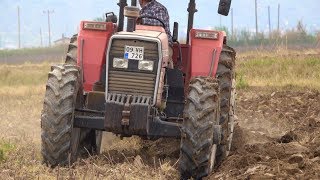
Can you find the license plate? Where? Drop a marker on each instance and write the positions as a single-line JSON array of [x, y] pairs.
[[133, 52]]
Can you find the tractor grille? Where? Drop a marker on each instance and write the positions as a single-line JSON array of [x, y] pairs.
[[133, 83]]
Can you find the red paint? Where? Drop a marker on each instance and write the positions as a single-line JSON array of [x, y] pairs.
[[202, 53], [95, 43]]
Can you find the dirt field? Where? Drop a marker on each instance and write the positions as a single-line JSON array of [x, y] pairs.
[[277, 133]]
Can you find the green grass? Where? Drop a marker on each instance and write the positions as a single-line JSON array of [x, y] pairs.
[[5, 148], [299, 71], [241, 82]]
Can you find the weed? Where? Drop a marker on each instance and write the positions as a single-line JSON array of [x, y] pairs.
[[313, 62], [241, 82], [5, 148]]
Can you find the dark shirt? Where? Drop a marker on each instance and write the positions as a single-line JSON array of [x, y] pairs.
[[157, 10]]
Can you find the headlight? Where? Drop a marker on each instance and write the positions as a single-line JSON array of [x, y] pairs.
[[120, 63], [146, 65]]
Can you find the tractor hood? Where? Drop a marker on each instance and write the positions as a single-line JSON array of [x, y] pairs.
[[154, 32], [146, 31]]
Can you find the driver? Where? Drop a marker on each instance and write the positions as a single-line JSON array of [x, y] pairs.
[[155, 9]]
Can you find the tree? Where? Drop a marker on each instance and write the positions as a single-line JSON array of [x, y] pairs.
[[223, 28], [301, 28], [99, 19]]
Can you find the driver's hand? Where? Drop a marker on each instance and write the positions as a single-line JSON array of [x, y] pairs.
[[139, 20]]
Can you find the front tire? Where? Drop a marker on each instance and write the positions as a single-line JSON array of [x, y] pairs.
[[198, 143], [61, 98]]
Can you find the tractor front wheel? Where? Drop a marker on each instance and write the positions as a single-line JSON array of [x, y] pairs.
[[63, 95]]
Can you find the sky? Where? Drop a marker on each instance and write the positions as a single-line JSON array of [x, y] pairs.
[[67, 14]]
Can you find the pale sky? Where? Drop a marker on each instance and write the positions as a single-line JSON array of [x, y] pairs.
[[68, 14]]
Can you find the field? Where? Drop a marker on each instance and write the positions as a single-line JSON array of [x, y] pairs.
[[277, 133]]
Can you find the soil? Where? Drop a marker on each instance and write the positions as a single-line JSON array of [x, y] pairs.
[[276, 137]]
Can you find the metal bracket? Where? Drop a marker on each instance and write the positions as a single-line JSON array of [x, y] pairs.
[[212, 62], [81, 59], [126, 112]]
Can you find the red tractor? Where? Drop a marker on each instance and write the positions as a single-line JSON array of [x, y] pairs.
[[120, 81]]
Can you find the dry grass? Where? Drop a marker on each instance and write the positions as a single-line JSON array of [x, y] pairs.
[[23, 75], [21, 96], [24, 162]]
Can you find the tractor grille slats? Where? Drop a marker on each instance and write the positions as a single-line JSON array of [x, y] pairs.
[[131, 83]]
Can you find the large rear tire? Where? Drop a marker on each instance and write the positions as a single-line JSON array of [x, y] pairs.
[[198, 143], [226, 77], [72, 52]]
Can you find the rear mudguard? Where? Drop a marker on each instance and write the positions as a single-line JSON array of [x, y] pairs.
[[205, 53], [92, 45]]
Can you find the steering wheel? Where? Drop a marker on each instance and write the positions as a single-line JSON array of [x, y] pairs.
[[155, 18]]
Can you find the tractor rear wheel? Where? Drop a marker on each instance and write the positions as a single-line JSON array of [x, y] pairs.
[[72, 52], [199, 129], [226, 77]]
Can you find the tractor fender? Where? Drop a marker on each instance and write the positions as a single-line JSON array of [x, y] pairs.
[[205, 48]]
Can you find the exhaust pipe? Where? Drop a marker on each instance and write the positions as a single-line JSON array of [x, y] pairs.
[[121, 4], [133, 2]]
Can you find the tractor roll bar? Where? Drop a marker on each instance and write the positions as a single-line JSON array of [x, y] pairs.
[[191, 9]]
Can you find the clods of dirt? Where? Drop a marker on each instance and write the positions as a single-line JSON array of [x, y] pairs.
[[288, 137], [279, 139]]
